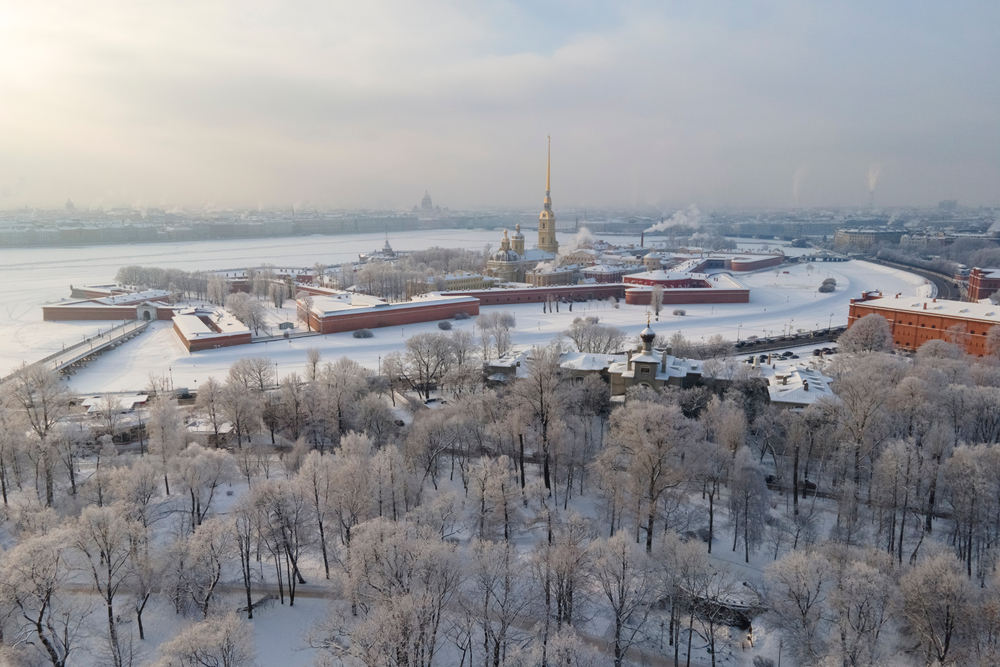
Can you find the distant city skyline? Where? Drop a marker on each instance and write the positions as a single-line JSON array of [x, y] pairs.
[[246, 105]]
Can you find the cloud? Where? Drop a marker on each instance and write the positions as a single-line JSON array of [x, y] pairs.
[[368, 104], [689, 218]]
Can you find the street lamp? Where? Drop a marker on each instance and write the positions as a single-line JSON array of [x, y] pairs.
[[738, 332]]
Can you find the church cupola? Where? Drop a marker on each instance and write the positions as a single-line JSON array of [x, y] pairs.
[[517, 241], [647, 337]]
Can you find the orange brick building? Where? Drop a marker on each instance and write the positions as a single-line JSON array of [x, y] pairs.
[[983, 283], [914, 321]]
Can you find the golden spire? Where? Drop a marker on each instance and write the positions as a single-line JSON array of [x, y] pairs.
[[647, 318], [548, 169]]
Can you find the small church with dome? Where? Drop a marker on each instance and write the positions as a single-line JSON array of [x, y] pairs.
[[511, 263]]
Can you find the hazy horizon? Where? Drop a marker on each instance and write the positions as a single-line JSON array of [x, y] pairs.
[[650, 105]]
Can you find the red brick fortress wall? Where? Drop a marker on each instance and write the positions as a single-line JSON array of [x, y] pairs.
[[97, 312], [643, 297], [754, 263], [390, 317], [502, 297]]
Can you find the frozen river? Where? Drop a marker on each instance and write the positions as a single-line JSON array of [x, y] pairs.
[[36, 276]]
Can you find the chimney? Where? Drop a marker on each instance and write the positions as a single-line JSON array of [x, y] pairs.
[[925, 305], [784, 380], [805, 385], [642, 240]]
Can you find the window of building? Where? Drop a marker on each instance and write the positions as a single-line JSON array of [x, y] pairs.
[[645, 370]]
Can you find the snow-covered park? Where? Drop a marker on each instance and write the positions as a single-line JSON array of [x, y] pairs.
[[779, 300]]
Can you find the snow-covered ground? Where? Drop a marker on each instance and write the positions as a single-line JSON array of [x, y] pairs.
[[43, 275], [777, 302]]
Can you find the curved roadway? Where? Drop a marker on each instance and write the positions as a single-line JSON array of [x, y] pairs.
[[946, 289]]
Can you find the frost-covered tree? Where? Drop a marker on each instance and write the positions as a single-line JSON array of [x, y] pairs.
[[254, 373], [747, 502], [656, 300], [107, 538], [595, 338], [649, 440], [210, 401], [871, 333], [223, 641], [317, 478], [863, 394], [43, 401], [284, 526], [993, 341], [208, 552], [798, 585], [499, 591], [937, 606], [200, 473], [626, 579], [495, 495], [543, 394], [165, 440], [432, 434], [351, 499], [12, 442], [710, 464], [895, 484], [401, 584], [33, 582], [218, 289], [862, 602], [341, 385], [241, 408], [375, 418]]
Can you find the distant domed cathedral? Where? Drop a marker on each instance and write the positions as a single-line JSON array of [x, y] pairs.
[[511, 262]]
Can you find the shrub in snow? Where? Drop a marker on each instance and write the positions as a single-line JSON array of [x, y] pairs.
[[830, 281], [593, 320], [444, 326], [680, 312], [827, 287], [461, 316], [363, 333]]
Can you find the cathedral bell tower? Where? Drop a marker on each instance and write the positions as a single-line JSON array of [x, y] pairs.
[[547, 219], [517, 241]]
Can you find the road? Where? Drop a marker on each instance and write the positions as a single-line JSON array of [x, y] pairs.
[[947, 289]]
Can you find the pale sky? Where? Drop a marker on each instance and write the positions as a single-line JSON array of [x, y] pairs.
[[367, 104]]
